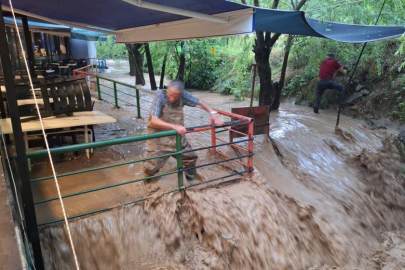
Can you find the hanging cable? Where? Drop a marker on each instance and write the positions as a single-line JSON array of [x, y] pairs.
[[46, 141]]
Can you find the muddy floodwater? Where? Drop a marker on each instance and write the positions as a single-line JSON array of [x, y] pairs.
[[319, 199]]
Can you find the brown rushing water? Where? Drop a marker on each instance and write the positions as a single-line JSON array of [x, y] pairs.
[[318, 199]]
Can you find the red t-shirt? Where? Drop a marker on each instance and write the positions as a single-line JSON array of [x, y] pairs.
[[328, 67]]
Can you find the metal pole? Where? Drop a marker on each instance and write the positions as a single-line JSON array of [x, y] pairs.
[[138, 104], [98, 88], [23, 185], [17, 48], [213, 140], [250, 147], [253, 85], [355, 67], [116, 95], [348, 83], [48, 54], [28, 45], [179, 160]]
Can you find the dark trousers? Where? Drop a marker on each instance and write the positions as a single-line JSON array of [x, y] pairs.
[[326, 84]]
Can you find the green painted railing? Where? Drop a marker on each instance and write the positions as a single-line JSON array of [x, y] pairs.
[[85, 71], [84, 146], [116, 91], [176, 153]]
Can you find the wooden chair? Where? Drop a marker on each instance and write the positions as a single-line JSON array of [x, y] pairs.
[[70, 96]]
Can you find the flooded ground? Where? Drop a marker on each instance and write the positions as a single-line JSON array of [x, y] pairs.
[[318, 200]]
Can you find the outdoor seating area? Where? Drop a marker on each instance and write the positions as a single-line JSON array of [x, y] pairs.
[[66, 109], [60, 70]]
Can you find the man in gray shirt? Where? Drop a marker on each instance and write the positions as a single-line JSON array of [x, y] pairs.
[[167, 114]]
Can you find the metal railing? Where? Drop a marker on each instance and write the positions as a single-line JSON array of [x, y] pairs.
[[85, 72], [238, 120]]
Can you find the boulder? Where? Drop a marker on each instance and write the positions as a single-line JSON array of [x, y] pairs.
[[355, 96], [364, 92], [401, 136], [359, 87]]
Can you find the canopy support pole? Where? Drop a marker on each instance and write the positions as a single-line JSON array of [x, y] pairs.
[[23, 182], [354, 70], [28, 45]]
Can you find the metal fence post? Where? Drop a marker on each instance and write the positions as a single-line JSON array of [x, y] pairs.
[[116, 95], [98, 88], [250, 147], [213, 139], [138, 104], [179, 160]]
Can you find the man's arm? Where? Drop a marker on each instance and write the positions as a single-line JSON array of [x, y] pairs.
[[342, 71], [214, 115], [156, 122]]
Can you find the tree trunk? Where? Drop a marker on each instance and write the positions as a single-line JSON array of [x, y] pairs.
[[131, 58], [180, 73], [139, 59], [162, 73], [262, 51], [262, 48], [136, 62], [150, 68], [266, 92], [280, 85]]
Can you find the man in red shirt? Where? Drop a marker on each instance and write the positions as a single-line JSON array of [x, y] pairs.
[[326, 71]]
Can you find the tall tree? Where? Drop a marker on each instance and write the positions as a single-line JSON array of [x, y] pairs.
[[280, 84], [150, 68], [262, 47], [182, 63], [136, 59], [162, 73]]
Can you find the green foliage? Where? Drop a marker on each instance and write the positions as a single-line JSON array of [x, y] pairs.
[[398, 111], [400, 52], [235, 70], [378, 63], [229, 70], [200, 65], [109, 49]]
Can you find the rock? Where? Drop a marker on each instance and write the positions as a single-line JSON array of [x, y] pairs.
[[364, 92], [355, 96], [359, 87], [401, 136]]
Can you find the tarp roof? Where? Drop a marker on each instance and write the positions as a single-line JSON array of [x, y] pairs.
[[295, 23], [132, 24], [57, 30]]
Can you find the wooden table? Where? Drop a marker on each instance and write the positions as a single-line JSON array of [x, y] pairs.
[[32, 101], [79, 119], [3, 87], [18, 77]]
